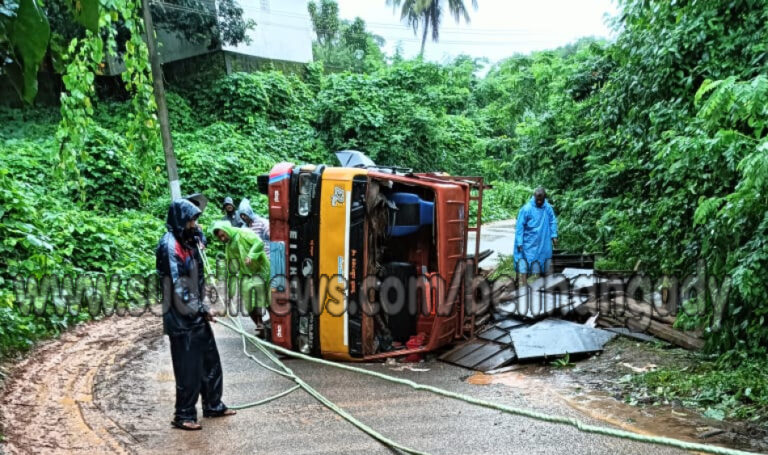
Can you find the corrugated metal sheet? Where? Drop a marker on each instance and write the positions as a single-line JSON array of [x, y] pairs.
[[556, 337]]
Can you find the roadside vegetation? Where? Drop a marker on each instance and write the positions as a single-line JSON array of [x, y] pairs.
[[711, 386], [653, 148]]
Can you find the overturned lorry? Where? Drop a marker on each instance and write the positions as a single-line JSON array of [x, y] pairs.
[[370, 262]]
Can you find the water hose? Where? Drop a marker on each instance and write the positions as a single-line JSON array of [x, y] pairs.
[[237, 327], [265, 347]]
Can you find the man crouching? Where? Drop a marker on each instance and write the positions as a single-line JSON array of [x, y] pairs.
[[186, 320]]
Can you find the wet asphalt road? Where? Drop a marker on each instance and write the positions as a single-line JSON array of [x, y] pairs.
[[140, 399], [498, 236]]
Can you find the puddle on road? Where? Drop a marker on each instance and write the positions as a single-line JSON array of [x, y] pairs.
[[511, 379], [658, 421], [662, 420]]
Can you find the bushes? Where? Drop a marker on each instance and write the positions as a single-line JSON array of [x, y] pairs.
[[505, 200], [242, 97], [46, 231], [110, 176], [640, 170], [217, 161], [397, 116]]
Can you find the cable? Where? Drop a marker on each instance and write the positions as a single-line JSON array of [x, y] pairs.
[[581, 426], [490, 31], [187, 9]]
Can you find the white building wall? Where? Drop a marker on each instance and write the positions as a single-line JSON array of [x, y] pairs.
[[283, 30]]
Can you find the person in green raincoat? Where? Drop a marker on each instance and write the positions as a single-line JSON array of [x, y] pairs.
[[247, 264]]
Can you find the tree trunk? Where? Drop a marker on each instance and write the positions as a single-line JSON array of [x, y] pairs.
[[162, 108], [424, 35]]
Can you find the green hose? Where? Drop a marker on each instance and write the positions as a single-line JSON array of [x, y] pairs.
[[310, 390], [265, 346], [265, 400]]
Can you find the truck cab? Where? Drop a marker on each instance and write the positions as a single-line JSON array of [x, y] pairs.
[[368, 262]]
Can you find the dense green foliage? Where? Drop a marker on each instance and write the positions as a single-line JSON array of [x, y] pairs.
[[653, 149], [45, 231], [35, 34], [203, 21], [634, 140]]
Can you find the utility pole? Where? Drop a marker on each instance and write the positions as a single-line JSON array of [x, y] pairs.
[[162, 108]]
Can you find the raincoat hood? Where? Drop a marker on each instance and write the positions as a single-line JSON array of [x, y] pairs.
[[227, 201], [245, 209], [533, 203], [225, 226], [179, 214]]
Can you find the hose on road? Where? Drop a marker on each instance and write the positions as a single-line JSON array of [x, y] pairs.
[[266, 348], [288, 373]]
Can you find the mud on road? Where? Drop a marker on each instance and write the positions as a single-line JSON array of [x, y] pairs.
[[50, 402]]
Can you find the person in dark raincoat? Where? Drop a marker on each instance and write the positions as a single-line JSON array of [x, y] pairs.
[[186, 319], [202, 242], [254, 222], [230, 214], [535, 235]]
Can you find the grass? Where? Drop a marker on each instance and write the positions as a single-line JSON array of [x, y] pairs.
[[732, 387], [563, 362], [505, 266]]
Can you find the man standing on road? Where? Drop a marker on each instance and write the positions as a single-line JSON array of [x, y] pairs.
[[186, 319], [535, 236], [230, 214]]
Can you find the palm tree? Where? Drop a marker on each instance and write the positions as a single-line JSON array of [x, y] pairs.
[[428, 13]]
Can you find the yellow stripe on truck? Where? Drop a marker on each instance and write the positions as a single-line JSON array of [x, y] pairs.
[[334, 259]]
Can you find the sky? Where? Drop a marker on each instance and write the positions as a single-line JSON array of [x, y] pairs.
[[497, 29]]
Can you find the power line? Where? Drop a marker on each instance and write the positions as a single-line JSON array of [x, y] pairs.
[[408, 40], [444, 30], [404, 26], [187, 9]]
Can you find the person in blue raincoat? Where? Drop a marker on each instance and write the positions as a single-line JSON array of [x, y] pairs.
[[535, 235]]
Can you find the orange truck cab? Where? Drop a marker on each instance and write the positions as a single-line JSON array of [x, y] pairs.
[[368, 262]]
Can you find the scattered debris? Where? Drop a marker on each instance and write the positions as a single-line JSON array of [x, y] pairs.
[[557, 337], [661, 330], [503, 370], [527, 322], [480, 355], [645, 369], [511, 340], [626, 332], [409, 367], [710, 433]]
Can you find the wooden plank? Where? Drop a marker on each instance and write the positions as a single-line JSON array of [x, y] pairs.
[[659, 330]]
